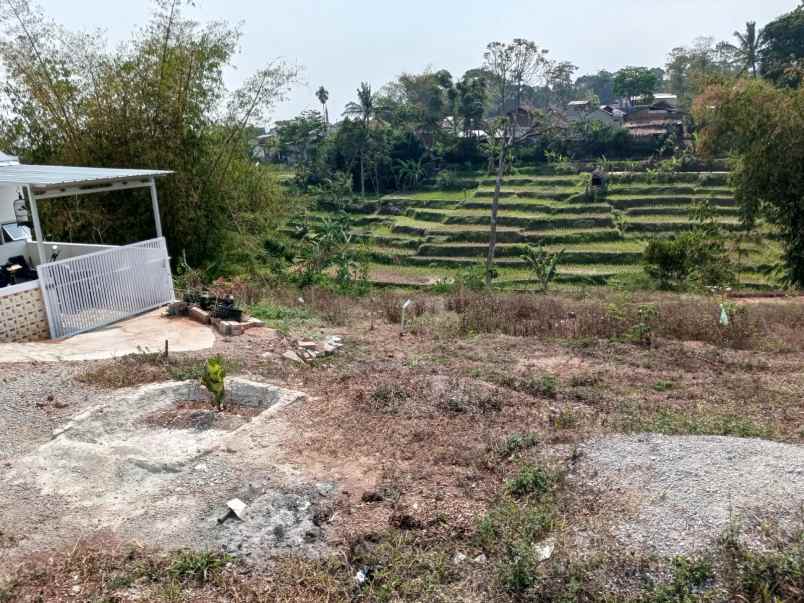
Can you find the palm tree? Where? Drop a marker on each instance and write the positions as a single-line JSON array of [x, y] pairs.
[[364, 109], [323, 96], [748, 48]]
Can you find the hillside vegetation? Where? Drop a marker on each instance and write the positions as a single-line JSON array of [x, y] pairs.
[[430, 235]]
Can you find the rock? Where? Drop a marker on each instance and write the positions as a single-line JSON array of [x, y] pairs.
[[481, 558], [458, 558], [199, 315], [292, 356], [544, 549], [238, 507], [371, 496], [307, 345], [325, 488]]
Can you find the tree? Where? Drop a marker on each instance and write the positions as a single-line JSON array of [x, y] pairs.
[[471, 103], [762, 127], [691, 69], [631, 82], [364, 109], [600, 85], [158, 101], [748, 48], [512, 67], [323, 96], [559, 80], [783, 48], [542, 264]]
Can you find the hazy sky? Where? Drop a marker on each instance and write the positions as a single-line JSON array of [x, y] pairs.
[[340, 42]]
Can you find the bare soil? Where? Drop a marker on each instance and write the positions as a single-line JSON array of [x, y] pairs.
[[405, 439]]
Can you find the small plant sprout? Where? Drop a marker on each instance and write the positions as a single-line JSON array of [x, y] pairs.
[[213, 380]]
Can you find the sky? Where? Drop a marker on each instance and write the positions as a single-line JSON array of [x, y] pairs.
[[340, 43]]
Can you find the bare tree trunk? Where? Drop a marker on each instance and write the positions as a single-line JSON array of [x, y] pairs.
[[362, 176], [495, 203]]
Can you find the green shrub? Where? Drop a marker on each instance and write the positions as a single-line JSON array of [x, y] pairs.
[[514, 443], [530, 481], [542, 264]]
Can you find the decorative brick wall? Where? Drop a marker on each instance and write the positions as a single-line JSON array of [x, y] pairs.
[[22, 316]]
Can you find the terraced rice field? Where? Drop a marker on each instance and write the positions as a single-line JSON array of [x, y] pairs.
[[432, 234]]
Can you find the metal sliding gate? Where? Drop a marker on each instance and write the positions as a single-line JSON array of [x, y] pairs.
[[97, 289]]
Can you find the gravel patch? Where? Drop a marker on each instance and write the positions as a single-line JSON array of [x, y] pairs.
[[675, 495], [34, 399]]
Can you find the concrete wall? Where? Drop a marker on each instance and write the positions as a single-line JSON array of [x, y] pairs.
[[22, 313]]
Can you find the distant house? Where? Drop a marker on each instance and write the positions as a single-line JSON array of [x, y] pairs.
[[657, 119], [585, 111]]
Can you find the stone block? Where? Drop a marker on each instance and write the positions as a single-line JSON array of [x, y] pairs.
[[199, 315]]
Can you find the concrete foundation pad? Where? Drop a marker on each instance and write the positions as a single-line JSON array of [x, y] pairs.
[[110, 469], [142, 333]]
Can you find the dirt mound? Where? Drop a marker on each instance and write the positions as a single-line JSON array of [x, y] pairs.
[[677, 495]]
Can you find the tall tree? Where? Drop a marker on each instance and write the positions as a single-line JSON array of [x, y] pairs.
[[784, 48], [512, 66], [748, 49], [762, 127], [323, 96], [630, 82], [364, 109], [601, 85]]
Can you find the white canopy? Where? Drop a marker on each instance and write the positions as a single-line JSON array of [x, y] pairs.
[[49, 177]]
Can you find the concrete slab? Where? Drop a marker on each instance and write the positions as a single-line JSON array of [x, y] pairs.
[[142, 333]]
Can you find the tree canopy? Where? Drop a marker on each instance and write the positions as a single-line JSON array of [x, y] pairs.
[[762, 127], [783, 51], [635, 81]]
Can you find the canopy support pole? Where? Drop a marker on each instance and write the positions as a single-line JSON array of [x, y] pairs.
[[155, 203], [36, 224]]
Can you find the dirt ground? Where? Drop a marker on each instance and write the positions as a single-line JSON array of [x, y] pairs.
[[410, 434]]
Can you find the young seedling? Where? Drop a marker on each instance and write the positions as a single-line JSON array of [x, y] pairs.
[[213, 380]]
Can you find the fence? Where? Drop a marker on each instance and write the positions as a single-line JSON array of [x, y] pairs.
[[100, 288]]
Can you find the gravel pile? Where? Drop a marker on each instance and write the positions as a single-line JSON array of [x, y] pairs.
[[678, 494]]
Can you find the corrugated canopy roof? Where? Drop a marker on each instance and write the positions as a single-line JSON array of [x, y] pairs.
[[49, 177]]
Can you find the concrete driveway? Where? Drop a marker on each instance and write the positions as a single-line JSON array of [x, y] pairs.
[[142, 333]]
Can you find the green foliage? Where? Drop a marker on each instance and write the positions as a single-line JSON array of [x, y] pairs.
[[199, 566], [327, 243], [783, 49], [530, 481], [694, 259], [635, 81], [689, 579], [472, 277], [762, 127], [158, 101], [514, 443], [542, 264], [213, 379]]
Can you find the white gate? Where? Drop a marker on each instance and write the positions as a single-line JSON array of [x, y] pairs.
[[97, 289]]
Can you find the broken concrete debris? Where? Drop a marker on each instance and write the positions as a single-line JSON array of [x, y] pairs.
[[238, 507], [305, 351]]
